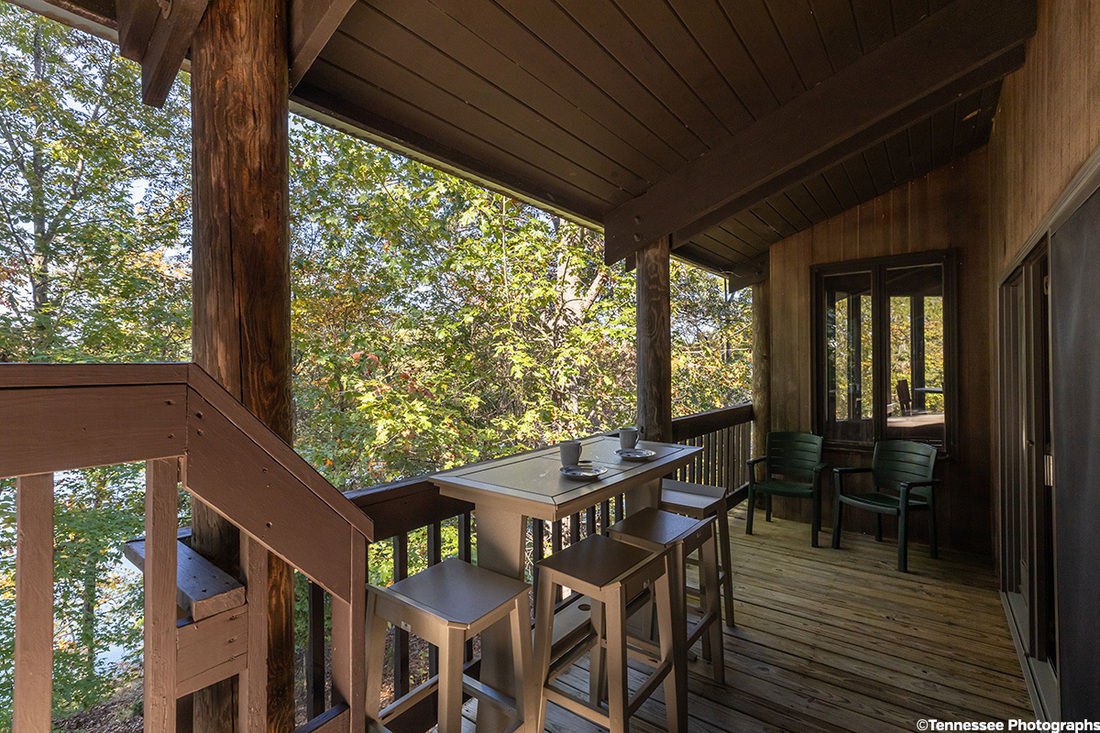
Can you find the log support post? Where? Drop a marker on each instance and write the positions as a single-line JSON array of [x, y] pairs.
[[761, 366], [654, 342], [654, 347], [241, 332]]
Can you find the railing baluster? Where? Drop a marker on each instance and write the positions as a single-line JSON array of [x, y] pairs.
[[538, 551], [605, 515], [400, 636], [590, 521], [575, 528], [435, 556], [32, 696], [465, 551], [555, 546], [620, 507], [161, 523], [315, 655]]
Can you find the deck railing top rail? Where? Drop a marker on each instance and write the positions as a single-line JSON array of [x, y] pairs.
[[60, 417]]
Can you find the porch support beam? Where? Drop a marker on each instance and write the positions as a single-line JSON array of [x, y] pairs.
[[654, 342], [956, 50], [312, 23], [241, 333], [761, 366]]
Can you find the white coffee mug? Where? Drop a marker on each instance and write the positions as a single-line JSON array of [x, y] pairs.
[[570, 452], [628, 437]]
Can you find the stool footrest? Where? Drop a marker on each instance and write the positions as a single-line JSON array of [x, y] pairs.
[[655, 678], [582, 643], [574, 704]]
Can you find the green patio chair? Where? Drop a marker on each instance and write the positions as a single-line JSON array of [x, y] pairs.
[[792, 464], [902, 481]]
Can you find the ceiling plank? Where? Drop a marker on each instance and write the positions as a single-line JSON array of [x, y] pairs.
[[955, 51], [312, 23]]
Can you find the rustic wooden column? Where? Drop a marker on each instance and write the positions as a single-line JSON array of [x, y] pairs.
[[241, 331], [654, 342], [654, 348], [761, 366]]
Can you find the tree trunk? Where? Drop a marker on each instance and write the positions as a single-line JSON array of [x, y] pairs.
[[241, 332]]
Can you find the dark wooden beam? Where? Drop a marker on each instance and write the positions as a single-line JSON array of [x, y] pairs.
[[654, 342], [749, 272], [954, 51], [167, 47], [136, 19], [761, 365], [312, 23], [241, 289]]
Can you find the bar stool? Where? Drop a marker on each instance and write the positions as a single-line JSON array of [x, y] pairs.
[[677, 537], [700, 501], [609, 573], [445, 605]]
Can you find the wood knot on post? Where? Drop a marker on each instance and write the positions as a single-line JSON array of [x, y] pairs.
[[165, 8]]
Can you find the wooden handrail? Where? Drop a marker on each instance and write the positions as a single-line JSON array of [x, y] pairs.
[[701, 423], [60, 417]]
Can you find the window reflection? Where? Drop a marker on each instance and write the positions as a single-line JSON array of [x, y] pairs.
[[916, 408]]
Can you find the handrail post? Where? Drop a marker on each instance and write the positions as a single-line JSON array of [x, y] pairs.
[[32, 696], [161, 523]]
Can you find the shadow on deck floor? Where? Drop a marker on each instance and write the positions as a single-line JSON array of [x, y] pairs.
[[832, 640]]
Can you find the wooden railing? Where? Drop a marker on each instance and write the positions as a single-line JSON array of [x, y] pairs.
[[725, 435], [190, 433]]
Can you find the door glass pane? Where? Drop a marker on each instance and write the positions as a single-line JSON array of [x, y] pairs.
[[915, 409], [849, 381]]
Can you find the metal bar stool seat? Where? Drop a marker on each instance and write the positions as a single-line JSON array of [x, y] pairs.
[[609, 573], [445, 605], [677, 537], [701, 501]]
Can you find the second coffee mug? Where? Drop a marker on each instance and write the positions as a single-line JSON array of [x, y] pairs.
[[628, 437]]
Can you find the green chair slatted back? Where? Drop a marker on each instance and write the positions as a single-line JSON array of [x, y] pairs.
[[898, 461], [794, 455]]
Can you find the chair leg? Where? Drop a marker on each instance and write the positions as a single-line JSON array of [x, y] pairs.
[[751, 510], [617, 693], [837, 516], [878, 528], [933, 547], [450, 682], [768, 509], [376, 656], [597, 674], [726, 561], [903, 540], [815, 521], [708, 581], [526, 702], [544, 632], [672, 648]]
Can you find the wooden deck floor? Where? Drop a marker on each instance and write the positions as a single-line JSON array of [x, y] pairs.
[[832, 640]]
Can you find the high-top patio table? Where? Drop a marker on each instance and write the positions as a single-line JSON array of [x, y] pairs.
[[506, 491]]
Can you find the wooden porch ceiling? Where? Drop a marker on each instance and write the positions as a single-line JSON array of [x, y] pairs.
[[728, 124]]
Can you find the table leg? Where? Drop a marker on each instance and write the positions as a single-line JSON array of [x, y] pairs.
[[646, 495], [501, 545]]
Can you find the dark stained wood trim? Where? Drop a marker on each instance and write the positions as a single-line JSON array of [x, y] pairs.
[[701, 423], [92, 16], [136, 20], [955, 51], [312, 23], [167, 49]]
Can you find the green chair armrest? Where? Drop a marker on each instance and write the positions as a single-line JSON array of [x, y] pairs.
[[851, 469], [754, 461], [819, 467]]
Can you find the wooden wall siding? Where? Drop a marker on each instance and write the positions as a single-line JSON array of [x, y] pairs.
[[943, 209], [1047, 124]]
